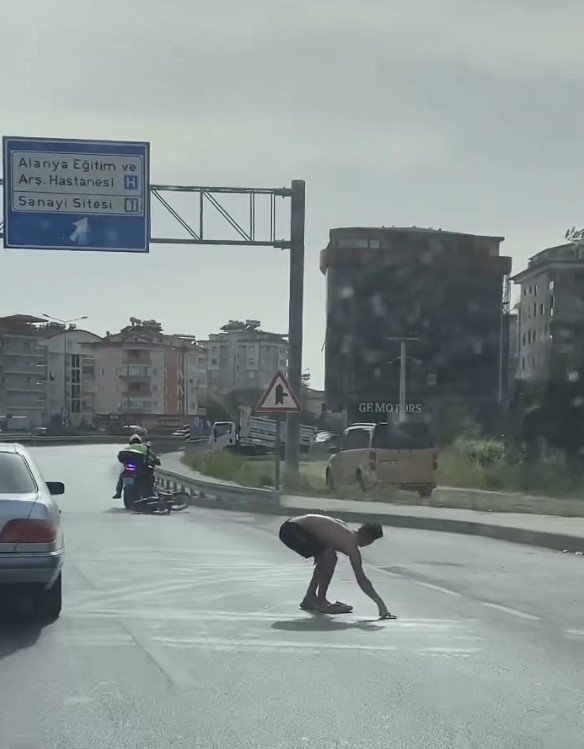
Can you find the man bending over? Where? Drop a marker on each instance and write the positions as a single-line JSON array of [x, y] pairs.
[[322, 537]]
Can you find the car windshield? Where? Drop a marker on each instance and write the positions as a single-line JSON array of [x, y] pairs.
[[15, 476]]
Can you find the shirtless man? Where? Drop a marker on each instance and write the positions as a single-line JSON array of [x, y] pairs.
[[322, 537]]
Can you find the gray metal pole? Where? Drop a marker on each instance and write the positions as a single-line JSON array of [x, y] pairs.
[[277, 453], [295, 319], [65, 409], [402, 381], [501, 378]]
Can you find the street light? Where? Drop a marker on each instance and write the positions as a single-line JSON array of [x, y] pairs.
[[403, 341], [65, 323]]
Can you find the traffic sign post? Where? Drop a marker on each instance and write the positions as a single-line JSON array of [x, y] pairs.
[[76, 195], [278, 400]]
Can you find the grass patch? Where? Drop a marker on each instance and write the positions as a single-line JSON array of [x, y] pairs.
[[462, 465]]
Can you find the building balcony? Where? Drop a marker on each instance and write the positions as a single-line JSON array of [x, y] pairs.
[[27, 406], [25, 353], [24, 389], [142, 357], [19, 369], [136, 372], [137, 404]]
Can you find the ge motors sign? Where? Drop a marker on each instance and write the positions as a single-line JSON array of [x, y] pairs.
[[375, 407]]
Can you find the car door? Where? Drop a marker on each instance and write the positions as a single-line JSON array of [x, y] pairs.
[[353, 456]]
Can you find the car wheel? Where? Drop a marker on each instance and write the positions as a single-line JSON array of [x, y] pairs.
[[361, 482], [330, 484], [49, 601]]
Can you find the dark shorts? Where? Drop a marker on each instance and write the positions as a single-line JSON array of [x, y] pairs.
[[300, 540]]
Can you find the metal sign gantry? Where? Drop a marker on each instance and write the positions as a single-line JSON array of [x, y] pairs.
[[254, 232]]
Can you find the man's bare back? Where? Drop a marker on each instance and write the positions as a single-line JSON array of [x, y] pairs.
[[333, 533], [321, 537]]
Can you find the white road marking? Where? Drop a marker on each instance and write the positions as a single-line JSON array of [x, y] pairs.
[[512, 612], [295, 646], [439, 588], [175, 614], [575, 632]]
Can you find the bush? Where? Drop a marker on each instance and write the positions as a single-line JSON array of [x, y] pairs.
[[487, 464], [482, 452]]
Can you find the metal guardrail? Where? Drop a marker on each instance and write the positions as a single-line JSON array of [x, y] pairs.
[[73, 439], [218, 494]]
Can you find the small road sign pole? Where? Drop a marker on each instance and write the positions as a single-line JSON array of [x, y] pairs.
[[277, 462], [280, 400]]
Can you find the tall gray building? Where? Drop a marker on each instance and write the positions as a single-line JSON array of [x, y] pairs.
[[551, 314]]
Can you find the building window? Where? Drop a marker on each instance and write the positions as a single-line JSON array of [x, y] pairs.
[[542, 308], [551, 285], [535, 309], [213, 362]]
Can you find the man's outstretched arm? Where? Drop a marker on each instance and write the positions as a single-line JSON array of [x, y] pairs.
[[364, 582]]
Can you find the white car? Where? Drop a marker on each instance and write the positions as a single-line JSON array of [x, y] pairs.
[[31, 534]]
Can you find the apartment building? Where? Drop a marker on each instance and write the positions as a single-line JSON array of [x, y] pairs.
[[243, 356], [551, 313], [70, 383], [23, 368], [445, 289], [191, 373], [142, 373]]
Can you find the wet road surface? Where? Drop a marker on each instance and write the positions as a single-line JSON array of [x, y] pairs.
[[185, 631]]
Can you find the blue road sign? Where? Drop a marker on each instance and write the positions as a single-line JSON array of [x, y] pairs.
[[76, 195]]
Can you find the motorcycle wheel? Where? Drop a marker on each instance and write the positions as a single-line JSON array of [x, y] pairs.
[[180, 501], [128, 500]]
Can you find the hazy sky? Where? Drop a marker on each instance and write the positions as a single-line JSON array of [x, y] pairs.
[[445, 113]]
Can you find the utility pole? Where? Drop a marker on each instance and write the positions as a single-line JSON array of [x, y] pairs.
[[64, 323], [403, 355], [295, 320]]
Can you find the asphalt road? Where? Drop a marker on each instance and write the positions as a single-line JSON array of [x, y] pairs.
[[185, 631]]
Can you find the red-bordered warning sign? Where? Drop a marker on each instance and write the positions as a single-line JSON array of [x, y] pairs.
[[279, 398]]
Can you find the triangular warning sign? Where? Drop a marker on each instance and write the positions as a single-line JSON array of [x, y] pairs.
[[279, 398]]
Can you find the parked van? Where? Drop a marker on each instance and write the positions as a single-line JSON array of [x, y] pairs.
[[390, 453]]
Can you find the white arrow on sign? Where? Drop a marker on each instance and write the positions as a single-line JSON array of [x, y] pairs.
[[80, 231]]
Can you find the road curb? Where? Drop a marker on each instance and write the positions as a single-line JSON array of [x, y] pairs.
[[235, 498]]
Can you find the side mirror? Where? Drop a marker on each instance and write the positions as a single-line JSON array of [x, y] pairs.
[[56, 488], [334, 449]]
